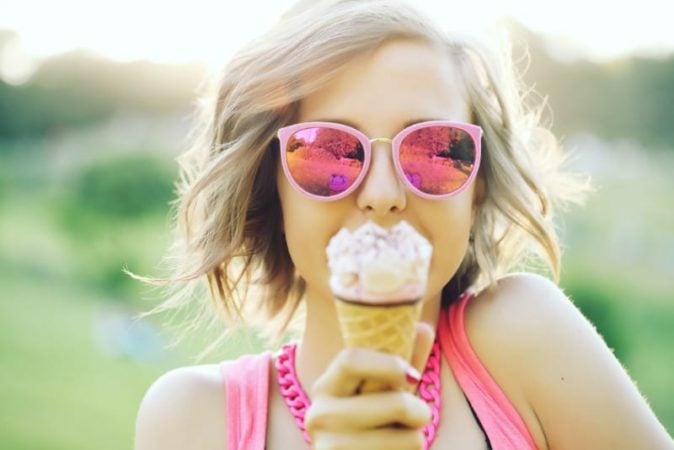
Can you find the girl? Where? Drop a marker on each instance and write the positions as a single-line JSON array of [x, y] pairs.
[[501, 361]]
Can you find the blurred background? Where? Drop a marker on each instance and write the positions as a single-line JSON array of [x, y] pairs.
[[96, 102]]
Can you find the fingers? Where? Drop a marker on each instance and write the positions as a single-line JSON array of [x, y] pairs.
[[423, 344], [346, 373], [390, 418], [369, 411], [383, 439]]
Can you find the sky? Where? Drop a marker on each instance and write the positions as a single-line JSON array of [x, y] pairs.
[[210, 31]]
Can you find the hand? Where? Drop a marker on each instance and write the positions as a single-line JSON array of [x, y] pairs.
[[342, 418]]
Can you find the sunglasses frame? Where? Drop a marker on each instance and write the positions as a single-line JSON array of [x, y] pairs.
[[474, 131]]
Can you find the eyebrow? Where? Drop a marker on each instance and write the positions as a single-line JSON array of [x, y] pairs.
[[354, 125]]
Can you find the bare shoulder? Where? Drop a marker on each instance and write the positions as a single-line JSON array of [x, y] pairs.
[[510, 292], [557, 369], [184, 408], [518, 305]]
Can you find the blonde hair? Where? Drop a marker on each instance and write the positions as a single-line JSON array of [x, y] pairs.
[[228, 234]]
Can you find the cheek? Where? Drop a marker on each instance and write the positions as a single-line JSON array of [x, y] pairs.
[[449, 229], [308, 226]]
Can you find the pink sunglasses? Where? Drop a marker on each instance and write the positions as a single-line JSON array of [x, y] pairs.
[[328, 161]]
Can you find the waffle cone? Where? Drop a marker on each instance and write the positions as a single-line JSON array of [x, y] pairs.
[[385, 328]]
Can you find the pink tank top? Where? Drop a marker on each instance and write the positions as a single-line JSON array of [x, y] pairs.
[[246, 383], [499, 418]]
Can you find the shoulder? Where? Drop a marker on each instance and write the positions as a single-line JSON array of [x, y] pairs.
[[510, 318], [501, 323], [184, 408], [516, 308], [554, 364]]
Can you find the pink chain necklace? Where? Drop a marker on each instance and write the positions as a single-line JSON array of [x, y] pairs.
[[298, 402]]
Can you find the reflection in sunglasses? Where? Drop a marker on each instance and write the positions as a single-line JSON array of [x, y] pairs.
[[338, 183], [320, 172]]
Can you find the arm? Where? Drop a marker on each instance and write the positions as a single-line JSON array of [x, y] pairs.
[[183, 409], [581, 394]]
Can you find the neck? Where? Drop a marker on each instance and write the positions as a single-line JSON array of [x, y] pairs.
[[322, 338]]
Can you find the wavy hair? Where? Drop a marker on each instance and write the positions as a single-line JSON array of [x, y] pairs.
[[229, 245]]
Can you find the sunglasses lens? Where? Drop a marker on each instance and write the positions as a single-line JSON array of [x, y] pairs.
[[438, 160], [324, 161]]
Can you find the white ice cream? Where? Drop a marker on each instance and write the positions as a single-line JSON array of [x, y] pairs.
[[374, 264]]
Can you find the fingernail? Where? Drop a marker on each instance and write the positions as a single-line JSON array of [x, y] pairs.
[[412, 376]]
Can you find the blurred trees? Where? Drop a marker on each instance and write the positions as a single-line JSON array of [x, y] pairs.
[[122, 188], [621, 99], [628, 98], [104, 210], [81, 88]]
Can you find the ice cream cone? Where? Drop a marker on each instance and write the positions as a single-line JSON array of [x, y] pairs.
[[378, 278], [386, 328]]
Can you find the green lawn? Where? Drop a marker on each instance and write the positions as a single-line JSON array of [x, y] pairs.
[[58, 391]]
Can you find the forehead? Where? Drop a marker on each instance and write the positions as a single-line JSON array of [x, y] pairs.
[[399, 81]]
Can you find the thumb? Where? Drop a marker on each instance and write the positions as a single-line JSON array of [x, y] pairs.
[[423, 344]]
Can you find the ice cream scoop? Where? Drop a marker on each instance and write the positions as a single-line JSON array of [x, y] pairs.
[[373, 264]]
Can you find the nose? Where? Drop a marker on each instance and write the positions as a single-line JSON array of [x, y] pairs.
[[382, 191]]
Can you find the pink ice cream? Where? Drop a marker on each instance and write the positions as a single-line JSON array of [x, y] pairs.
[[378, 265]]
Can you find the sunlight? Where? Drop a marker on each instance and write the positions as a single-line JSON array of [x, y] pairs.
[[209, 32]]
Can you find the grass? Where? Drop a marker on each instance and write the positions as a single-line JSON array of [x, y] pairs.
[[58, 390]]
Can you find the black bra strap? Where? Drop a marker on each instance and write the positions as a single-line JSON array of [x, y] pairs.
[[479, 423]]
